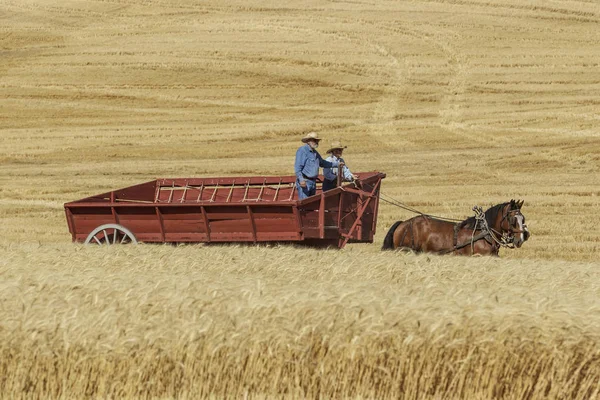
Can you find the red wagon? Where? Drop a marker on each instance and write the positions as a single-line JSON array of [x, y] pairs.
[[243, 209]]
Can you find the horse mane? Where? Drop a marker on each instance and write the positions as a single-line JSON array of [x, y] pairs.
[[490, 216]]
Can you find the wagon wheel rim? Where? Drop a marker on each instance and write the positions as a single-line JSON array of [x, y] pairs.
[[110, 234]]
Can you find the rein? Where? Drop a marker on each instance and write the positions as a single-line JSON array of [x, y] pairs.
[[399, 204]]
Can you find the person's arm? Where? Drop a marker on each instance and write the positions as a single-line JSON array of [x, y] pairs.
[[327, 164], [347, 174], [330, 173], [299, 164]]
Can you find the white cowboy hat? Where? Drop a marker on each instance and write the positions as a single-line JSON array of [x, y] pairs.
[[336, 145], [311, 136]]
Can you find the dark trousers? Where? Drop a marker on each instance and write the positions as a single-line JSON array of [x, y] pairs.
[[328, 185]]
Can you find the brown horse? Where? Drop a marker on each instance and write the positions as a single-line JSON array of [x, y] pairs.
[[502, 225]]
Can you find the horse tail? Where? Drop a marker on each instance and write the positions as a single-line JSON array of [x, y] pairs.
[[388, 242]]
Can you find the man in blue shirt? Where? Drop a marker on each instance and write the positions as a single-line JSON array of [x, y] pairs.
[[307, 164], [330, 174]]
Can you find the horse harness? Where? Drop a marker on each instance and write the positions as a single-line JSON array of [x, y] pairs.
[[484, 234], [487, 233]]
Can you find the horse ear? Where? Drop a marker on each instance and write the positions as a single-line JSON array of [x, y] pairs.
[[521, 204], [512, 203]]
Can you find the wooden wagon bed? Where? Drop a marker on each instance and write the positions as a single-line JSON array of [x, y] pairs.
[[242, 209]]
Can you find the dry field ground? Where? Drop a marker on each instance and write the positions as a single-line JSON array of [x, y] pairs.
[[460, 102]]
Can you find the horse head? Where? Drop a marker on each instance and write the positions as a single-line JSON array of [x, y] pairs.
[[513, 223]]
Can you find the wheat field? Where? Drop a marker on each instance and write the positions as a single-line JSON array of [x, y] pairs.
[[459, 102]]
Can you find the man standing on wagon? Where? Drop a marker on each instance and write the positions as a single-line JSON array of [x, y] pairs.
[[330, 174], [306, 167]]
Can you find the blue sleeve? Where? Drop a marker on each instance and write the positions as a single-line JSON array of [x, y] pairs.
[[299, 163], [325, 163]]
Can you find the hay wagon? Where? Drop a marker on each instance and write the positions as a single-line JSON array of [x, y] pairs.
[[243, 209]]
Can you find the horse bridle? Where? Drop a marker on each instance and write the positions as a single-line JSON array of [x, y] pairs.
[[508, 238]]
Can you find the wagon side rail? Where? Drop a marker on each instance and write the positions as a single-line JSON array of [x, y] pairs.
[[225, 190]]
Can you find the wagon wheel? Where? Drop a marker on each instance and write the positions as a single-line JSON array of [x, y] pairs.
[[111, 234]]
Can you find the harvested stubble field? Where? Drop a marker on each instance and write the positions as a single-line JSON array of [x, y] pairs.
[[459, 102]]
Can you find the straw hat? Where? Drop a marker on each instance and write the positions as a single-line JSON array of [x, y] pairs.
[[311, 136], [336, 145]]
